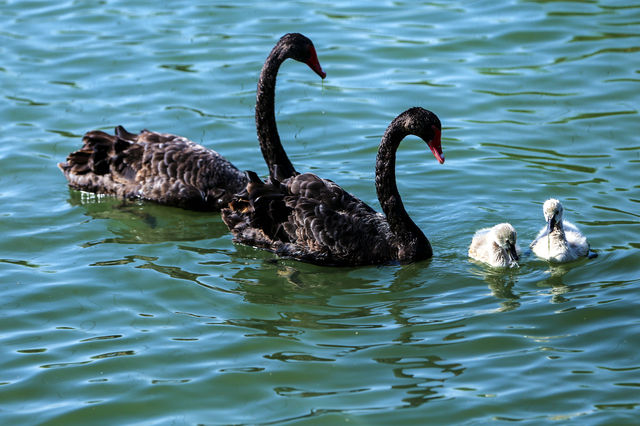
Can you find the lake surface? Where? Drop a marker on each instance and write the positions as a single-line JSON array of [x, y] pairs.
[[134, 313]]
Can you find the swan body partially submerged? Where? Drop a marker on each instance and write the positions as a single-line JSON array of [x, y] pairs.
[[173, 170], [560, 240], [496, 246], [313, 219]]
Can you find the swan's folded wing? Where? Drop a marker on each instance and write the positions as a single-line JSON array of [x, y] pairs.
[[477, 242], [161, 167], [325, 218], [103, 164], [570, 227], [310, 186], [308, 218]]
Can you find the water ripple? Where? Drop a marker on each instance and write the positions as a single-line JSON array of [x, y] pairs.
[[124, 311]]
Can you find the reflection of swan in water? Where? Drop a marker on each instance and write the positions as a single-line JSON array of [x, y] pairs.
[[554, 283], [135, 222], [560, 240], [298, 299], [501, 283], [496, 246]]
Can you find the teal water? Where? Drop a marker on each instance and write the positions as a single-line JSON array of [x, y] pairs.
[[134, 313]]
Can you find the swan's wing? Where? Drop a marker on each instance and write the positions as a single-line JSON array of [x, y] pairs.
[[156, 166], [577, 242], [325, 217], [480, 233], [310, 186], [308, 218], [478, 242], [570, 227], [105, 163], [478, 239]]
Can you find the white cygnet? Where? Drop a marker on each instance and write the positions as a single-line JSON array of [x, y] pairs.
[[559, 241], [496, 246]]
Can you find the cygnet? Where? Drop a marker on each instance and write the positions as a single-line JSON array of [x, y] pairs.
[[559, 240], [496, 246]]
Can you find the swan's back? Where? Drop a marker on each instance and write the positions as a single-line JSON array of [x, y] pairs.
[[550, 246], [496, 246], [161, 167], [311, 219]]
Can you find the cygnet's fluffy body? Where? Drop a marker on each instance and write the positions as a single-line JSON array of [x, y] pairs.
[[559, 240], [496, 246]]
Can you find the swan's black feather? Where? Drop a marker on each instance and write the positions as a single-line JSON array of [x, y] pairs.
[[315, 220], [309, 218], [165, 168]]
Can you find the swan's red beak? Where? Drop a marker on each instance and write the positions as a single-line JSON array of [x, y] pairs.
[[436, 146], [314, 63]]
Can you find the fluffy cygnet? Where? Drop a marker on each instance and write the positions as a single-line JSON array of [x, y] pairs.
[[559, 241], [496, 246]]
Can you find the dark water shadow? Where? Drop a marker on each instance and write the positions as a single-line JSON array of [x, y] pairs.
[[303, 294], [140, 222], [269, 279], [501, 282], [364, 301], [421, 390], [554, 281], [174, 272]]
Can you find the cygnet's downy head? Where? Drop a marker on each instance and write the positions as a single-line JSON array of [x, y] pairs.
[[552, 210], [505, 237]]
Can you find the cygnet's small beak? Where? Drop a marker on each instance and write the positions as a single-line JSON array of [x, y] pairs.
[[550, 223], [513, 253]]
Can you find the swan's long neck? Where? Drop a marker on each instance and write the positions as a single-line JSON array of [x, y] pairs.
[[279, 165], [411, 241]]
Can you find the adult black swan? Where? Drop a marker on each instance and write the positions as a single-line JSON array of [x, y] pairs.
[[314, 220], [173, 170]]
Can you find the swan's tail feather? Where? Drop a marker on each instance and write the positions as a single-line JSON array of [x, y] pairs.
[[260, 206], [99, 161], [92, 157], [122, 133]]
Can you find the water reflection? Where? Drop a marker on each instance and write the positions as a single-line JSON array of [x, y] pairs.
[[501, 282], [303, 297], [554, 280], [428, 374], [346, 317], [174, 272], [320, 298], [290, 282], [138, 222]]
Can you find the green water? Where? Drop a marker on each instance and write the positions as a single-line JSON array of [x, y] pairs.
[[142, 314]]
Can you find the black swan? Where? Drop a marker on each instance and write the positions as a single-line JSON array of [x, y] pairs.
[[173, 170], [496, 246], [315, 220]]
